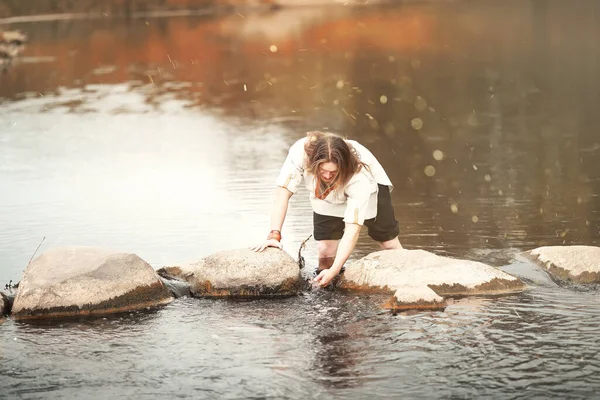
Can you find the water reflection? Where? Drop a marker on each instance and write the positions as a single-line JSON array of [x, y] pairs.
[[322, 343], [490, 143]]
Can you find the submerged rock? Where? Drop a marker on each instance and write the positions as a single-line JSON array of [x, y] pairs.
[[240, 273], [571, 264], [420, 280], [5, 304], [7, 298], [71, 281]]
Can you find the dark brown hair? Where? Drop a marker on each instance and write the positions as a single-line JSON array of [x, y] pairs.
[[324, 147]]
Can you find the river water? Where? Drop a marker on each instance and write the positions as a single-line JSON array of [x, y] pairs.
[[163, 137]]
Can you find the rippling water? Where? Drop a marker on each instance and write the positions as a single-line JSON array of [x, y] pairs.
[[163, 137], [318, 345]]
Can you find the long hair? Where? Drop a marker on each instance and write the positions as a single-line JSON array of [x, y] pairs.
[[324, 147]]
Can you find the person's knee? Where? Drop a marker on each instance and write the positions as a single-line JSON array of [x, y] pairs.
[[393, 244], [327, 248]]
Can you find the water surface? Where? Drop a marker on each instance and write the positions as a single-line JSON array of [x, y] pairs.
[[163, 137]]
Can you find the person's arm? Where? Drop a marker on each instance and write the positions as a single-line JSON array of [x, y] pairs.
[[280, 206], [278, 213], [290, 176], [359, 192], [345, 248]]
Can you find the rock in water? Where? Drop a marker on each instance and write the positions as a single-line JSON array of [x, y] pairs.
[[240, 273], [4, 305], [571, 264], [70, 281], [420, 280]]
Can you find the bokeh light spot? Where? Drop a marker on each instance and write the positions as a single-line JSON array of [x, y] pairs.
[[416, 123], [430, 170]]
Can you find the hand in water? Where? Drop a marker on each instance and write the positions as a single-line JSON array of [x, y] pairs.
[[267, 243], [325, 277]]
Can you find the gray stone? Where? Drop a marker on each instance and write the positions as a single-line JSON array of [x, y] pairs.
[[240, 273], [7, 298], [4, 305], [420, 280], [71, 281], [571, 264]]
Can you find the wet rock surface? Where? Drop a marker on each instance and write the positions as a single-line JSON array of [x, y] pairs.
[[569, 264], [70, 281], [7, 299], [240, 273], [420, 280], [5, 304]]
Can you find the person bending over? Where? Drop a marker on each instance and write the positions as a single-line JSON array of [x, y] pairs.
[[348, 189]]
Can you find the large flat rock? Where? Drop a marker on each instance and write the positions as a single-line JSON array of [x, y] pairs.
[[69, 281], [240, 273], [420, 280], [571, 264]]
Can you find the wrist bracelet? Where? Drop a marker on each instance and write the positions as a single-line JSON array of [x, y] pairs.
[[274, 234]]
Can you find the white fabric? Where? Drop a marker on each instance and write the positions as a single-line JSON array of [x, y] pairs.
[[355, 203]]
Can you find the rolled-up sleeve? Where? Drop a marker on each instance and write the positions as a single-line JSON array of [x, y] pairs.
[[292, 170], [359, 194]]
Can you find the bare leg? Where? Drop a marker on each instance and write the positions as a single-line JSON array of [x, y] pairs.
[[326, 250], [393, 244]]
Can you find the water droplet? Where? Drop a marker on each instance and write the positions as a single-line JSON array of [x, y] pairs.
[[383, 99], [487, 178], [474, 218], [336, 102], [420, 103], [430, 170], [340, 84], [500, 192], [438, 155], [416, 123], [475, 167], [273, 48], [579, 200], [454, 208]]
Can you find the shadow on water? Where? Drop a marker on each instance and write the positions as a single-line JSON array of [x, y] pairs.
[[139, 317], [163, 136]]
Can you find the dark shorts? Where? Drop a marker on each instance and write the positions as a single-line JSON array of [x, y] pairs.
[[382, 228]]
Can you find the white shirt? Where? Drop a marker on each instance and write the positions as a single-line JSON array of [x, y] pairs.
[[355, 203]]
